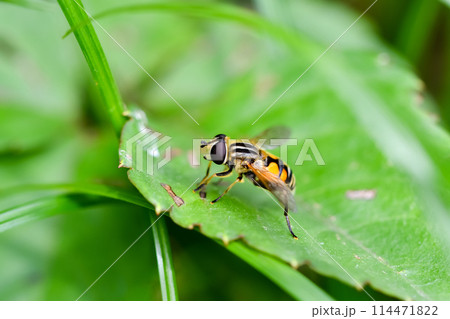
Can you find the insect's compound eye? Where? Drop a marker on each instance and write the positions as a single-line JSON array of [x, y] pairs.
[[219, 152]]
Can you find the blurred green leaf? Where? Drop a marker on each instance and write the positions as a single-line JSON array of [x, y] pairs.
[[59, 257], [416, 29], [219, 11], [23, 204], [39, 71], [29, 3], [38, 209], [294, 283], [18, 127]]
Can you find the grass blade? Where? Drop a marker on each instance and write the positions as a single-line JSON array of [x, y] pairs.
[[166, 270], [96, 60]]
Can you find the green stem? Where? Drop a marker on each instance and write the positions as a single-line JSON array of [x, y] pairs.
[[96, 60], [166, 270]]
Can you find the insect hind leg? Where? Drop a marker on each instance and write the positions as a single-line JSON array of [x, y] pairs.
[[252, 177], [286, 215]]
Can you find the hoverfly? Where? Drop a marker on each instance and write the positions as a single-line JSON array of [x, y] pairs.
[[249, 160]]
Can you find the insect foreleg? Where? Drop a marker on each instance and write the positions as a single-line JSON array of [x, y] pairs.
[[207, 179], [203, 193]]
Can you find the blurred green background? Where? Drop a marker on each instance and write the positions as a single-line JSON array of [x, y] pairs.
[[53, 129]]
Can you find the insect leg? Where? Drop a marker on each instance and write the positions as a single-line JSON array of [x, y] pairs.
[[202, 192], [289, 222], [207, 170], [207, 173], [239, 179], [206, 180]]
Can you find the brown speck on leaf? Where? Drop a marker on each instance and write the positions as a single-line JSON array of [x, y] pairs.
[[357, 257], [362, 194], [178, 200]]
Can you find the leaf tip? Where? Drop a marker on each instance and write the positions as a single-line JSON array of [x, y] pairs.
[[360, 286], [195, 225], [225, 240], [294, 264]]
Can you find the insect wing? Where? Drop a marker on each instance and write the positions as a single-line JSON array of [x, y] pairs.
[[274, 184], [279, 133]]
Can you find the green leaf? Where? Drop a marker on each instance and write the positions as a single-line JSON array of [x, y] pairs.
[[358, 106]]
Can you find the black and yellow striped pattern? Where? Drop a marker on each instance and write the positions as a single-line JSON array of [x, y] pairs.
[[242, 150], [276, 166]]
